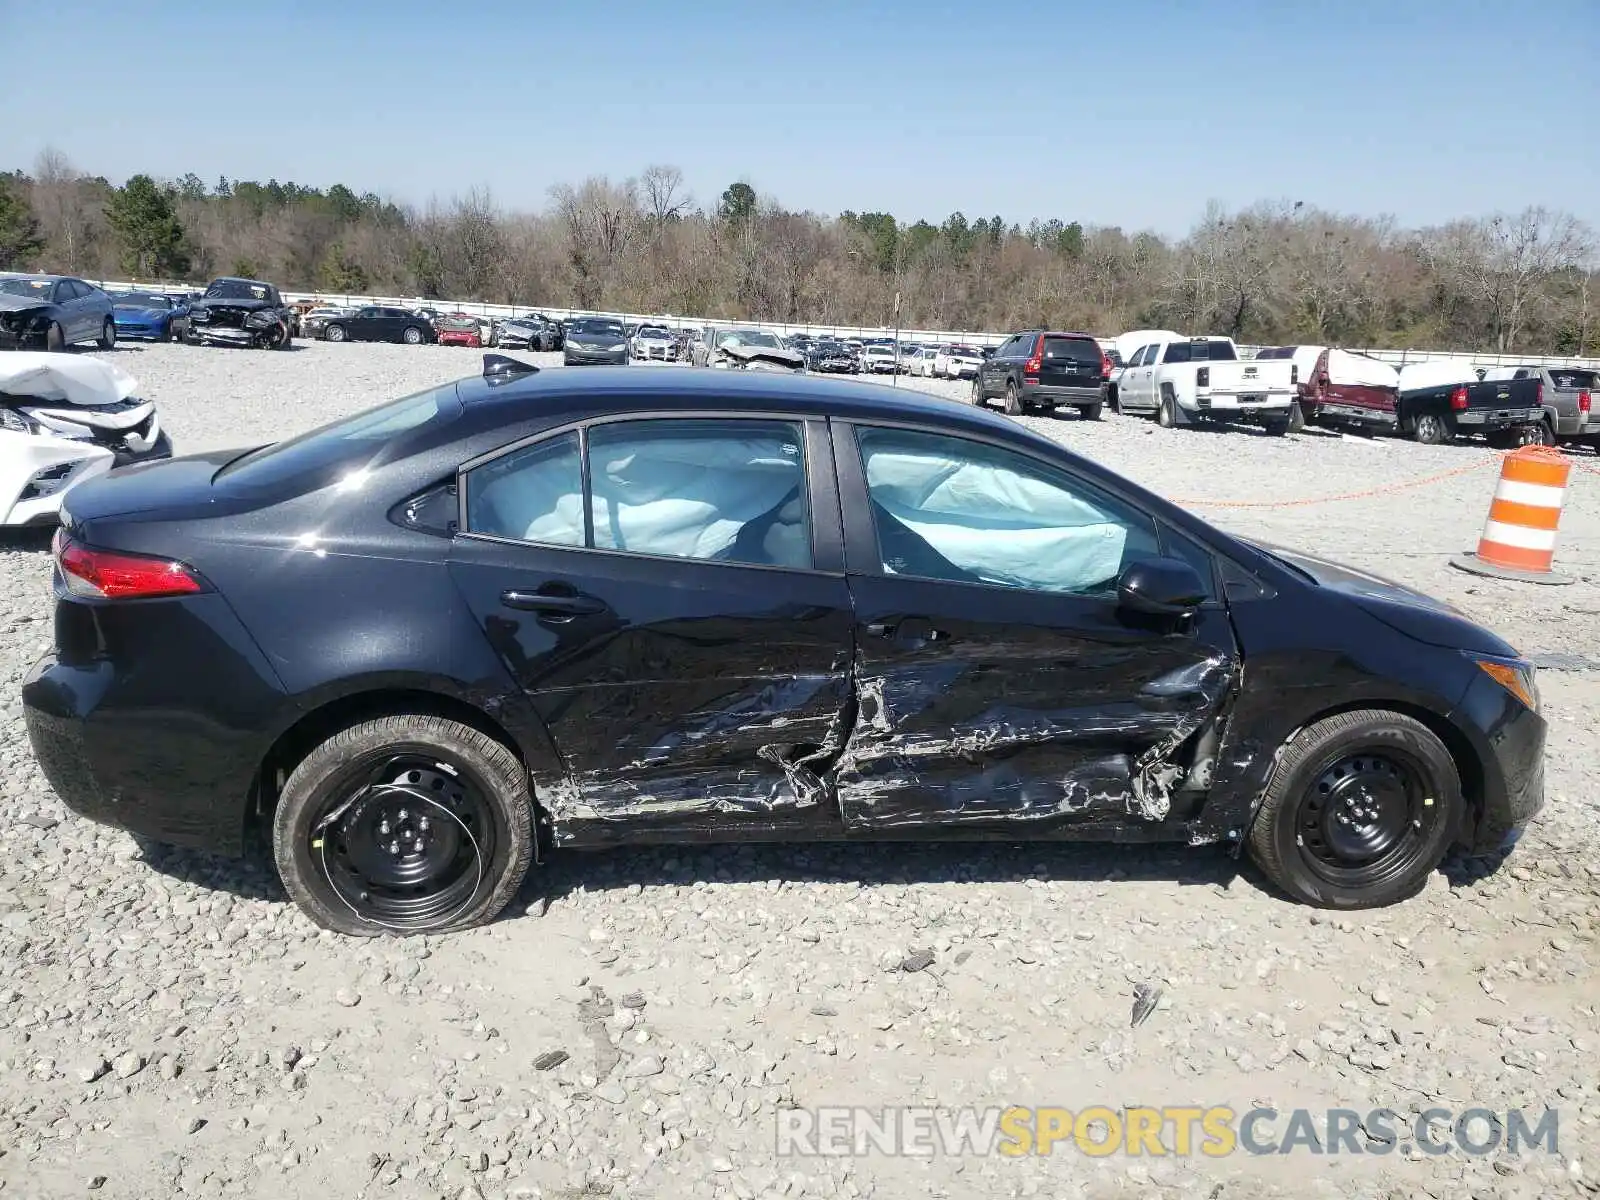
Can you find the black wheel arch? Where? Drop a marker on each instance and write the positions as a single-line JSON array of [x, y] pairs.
[[313, 725]]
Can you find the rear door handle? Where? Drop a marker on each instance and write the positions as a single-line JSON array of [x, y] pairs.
[[914, 631], [569, 606]]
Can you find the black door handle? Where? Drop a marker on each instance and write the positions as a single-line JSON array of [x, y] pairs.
[[570, 606], [913, 631]]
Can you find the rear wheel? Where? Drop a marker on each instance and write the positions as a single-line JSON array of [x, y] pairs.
[[1167, 414], [108, 335], [404, 824], [1359, 811], [1089, 412], [1278, 426], [1297, 417], [1431, 430], [334, 333], [1013, 399], [1542, 434], [978, 397], [412, 336]]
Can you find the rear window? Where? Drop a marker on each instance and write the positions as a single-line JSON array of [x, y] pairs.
[[1182, 352], [346, 448], [1084, 350], [1277, 352], [1582, 381]]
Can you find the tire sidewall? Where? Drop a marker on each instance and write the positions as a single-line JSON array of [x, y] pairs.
[[1416, 744], [334, 766]]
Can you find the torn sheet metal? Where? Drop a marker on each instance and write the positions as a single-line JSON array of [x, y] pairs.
[[1009, 762]]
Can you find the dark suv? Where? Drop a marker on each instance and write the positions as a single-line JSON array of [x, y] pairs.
[[1041, 369]]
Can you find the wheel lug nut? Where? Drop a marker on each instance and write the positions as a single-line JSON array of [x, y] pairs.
[[394, 847], [422, 824], [384, 828], [404, 814]]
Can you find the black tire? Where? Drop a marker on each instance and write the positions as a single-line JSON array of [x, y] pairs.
[[333, 333], [978, 398], [1089, 412], [55, 340], [1543, 434], [1430, 429], [108, 335], [339, 803], [1278, 426], [1167, 411], [412, 336], [175, 332], [1014, 405], [1297, 417], [1343, 788], [1114, 398]]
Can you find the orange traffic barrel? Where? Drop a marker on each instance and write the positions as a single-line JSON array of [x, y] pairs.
[[1519, 537]]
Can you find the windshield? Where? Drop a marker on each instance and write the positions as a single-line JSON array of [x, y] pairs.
[[751, 337], [596, 326], [236, 289], [350, 445], [140, 300], [34, 289]]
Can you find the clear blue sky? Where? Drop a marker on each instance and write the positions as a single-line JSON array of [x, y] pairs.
[[1132, 113]]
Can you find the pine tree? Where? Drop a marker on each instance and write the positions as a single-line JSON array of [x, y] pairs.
[[19, 229], [152, 239]]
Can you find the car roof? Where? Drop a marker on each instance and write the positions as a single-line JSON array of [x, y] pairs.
[[32, 275], [557, 392]]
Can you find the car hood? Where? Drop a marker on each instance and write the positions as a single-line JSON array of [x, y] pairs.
[[597, 339], [1413, 613], [139, 310], [225, 302], [13, 303]]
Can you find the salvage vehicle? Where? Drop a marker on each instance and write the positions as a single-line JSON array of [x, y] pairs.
[[149, 316], [963, 362], [377, 323], [459, 329], [52, 312], [1186, 381], [832, 358], [595, 341], [654, 341], [740, 357], [1335, 387], [755, 339], [879, 359], [1037, 369], [64, 420], [240, 312], [315, 321], [623, 607], [1442, 399], [531, 332], [1566, 394]]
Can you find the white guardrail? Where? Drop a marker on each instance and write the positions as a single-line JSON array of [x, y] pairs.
[[963, 336]]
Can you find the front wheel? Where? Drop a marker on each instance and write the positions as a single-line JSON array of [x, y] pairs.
[[1114, 397], [55, 340], [404, 824], [108, 335], [1359, 811]]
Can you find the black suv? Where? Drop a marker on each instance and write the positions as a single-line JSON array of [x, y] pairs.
[[1041, 369]]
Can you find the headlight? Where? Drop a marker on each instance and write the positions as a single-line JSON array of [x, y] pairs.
[[619, 346], [14, 422], [1515, 675]]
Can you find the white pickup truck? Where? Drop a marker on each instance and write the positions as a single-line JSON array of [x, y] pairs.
[[1186, 380]]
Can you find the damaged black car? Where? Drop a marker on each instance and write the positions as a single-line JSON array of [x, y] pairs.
[[422, 648], [241, 312]]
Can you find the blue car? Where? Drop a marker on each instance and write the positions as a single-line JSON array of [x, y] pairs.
[[149, 316]]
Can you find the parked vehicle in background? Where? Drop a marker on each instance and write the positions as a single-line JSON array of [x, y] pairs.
[[1040, 369], [963, 362], [52, 312], [833, 358], [654, 342], [532, 331], [1442, 399], [377, 323], [459, 329], [595, 341], [1568, 398], [879, 360], [149, 316], [297, 315], [1135, 339], [920, 362], [1184, 381], [314, 322], [1335, 387], [578, 609], [240, 312], [64, 420], [759, 339]]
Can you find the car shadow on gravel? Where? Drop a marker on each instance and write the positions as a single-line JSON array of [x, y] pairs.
[[27, 537]]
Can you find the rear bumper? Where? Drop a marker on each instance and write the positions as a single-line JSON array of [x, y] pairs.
[[1055, 393], [1242, 404], [1499, 418]]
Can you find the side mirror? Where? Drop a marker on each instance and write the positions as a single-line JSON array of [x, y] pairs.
[[1160, 587]]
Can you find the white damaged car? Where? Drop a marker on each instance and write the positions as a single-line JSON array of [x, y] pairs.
[[64, 419]]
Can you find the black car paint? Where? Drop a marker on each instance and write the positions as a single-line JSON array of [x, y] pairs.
[[219, 315], [714, 701]]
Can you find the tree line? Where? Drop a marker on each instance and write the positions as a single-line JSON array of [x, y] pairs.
[[1274, 272]]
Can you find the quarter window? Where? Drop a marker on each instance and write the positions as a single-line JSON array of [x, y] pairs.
[[530, 495], [952, 509]]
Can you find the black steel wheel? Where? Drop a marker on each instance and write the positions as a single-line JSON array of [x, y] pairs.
[[1360, 809], [406, 824]]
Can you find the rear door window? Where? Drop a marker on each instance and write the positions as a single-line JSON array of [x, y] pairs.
[[1581, 381]]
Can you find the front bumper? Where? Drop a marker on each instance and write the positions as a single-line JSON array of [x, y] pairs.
[[37, 470], [460, 339], [142, 331], [228, 335], [576, 356], [1509, 742]]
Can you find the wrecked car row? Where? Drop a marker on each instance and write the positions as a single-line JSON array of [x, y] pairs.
[[628, 606]]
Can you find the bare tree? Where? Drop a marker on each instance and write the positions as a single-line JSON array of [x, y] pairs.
[[67, 214], [664, 195]]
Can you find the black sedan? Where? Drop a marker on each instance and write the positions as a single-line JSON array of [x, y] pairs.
[[378, 324], [422, 646], [595, 341], [52, 312]]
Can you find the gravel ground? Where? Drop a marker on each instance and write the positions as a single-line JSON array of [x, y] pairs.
[[169, 1024]]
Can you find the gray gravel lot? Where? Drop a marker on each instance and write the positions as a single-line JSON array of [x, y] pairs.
[[169, 1024]]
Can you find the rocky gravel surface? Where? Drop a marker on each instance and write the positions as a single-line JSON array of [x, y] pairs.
[[170, 1025]]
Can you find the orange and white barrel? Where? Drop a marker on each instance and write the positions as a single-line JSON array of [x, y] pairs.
[[1520, 534]]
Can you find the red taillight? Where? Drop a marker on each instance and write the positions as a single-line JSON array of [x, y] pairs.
[[1035, 361], [1538, 392], [1583, 401], [103, 575], [1105, 365], [1458, 399]]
